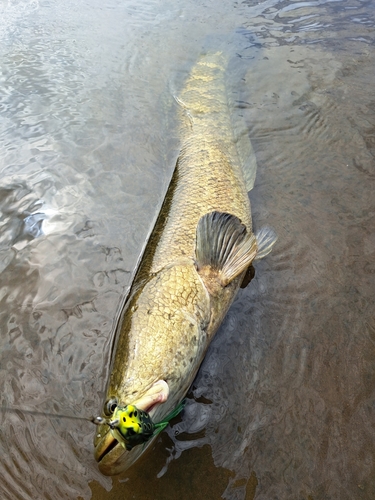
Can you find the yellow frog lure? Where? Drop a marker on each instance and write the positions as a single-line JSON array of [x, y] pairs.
[[129, 425], [132, 426]]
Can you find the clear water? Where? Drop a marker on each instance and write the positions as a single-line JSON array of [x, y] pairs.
[[284, 404]]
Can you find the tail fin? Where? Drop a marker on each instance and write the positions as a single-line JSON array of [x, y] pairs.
[[220, 65]]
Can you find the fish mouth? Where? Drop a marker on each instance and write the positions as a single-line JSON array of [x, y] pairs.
[[155, 396], [109, 453]]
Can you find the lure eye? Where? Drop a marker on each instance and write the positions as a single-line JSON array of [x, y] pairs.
[[110, 407]]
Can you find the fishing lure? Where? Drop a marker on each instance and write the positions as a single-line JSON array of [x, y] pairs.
[[132, 426], [129, 425]]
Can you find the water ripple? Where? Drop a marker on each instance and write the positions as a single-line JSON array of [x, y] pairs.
[[283, 404]]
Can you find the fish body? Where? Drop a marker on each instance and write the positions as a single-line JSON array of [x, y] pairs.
[[192, 267]]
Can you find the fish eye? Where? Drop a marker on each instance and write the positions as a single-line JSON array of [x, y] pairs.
[[110, 406]]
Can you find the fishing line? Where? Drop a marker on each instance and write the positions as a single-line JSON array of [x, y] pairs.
[[129, 425], [94, 420]]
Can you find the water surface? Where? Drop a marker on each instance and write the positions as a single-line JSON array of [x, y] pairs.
[[283, 406]]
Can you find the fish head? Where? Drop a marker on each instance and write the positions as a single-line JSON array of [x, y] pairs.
[[128, 429], [159, 350]]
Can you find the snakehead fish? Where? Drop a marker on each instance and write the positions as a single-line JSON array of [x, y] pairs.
[[193, 265]]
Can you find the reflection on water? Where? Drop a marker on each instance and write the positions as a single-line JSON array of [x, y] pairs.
[[283, 406]]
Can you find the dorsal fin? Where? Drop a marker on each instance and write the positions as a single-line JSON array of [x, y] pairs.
[[224, 248], [247, 157]]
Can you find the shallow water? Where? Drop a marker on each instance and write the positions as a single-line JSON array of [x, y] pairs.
[[283, 406]]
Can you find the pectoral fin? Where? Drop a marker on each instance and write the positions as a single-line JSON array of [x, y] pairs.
[[266, 238], [224, 248]]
